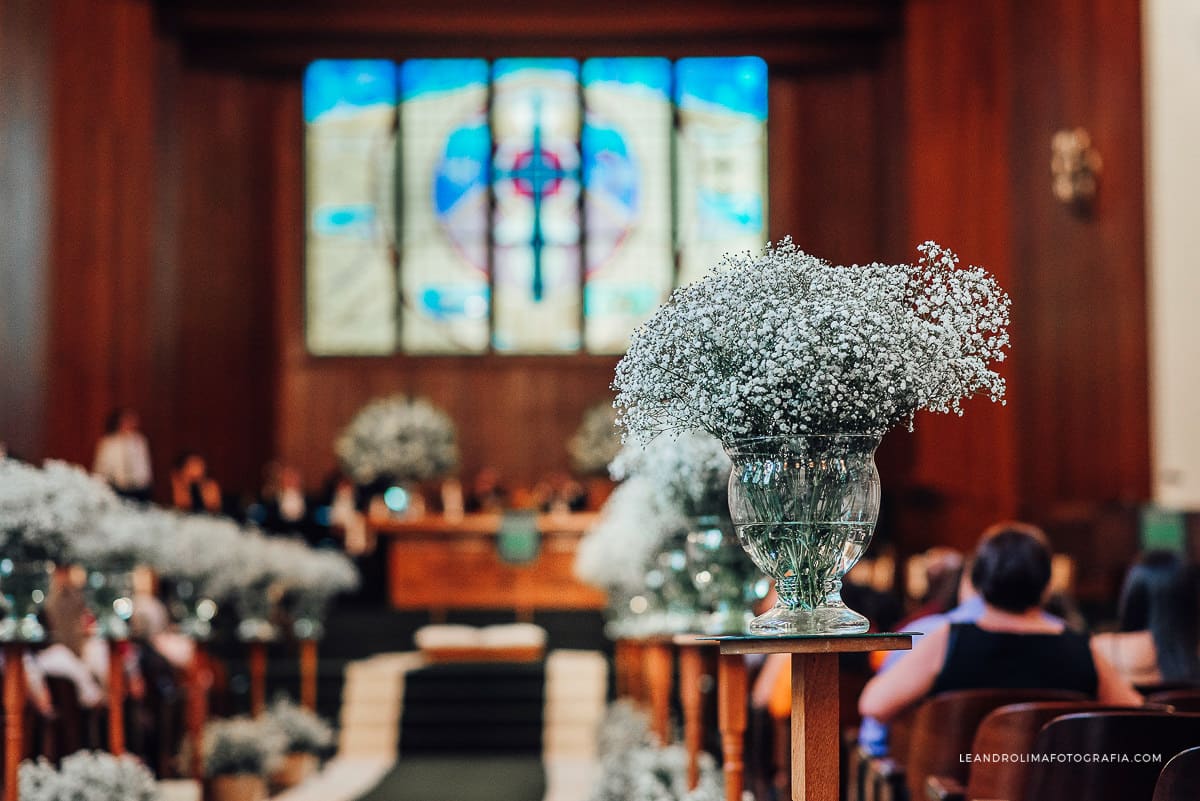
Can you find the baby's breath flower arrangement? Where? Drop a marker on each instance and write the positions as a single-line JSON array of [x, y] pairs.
[[596, 442], [690, 472], [799, 367], [785, 343], [87, 776], [400, 439]]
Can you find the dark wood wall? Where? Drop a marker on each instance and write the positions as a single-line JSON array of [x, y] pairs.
[[24, 209], [175, 238]]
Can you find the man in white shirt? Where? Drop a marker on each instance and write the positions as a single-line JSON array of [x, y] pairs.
[[123, 457]]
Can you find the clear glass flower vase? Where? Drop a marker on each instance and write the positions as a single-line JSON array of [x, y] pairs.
[[724, 576], [109, 594], [805, 509], [24, 585]]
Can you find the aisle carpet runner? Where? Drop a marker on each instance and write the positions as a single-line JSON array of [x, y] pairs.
[[469, 731]]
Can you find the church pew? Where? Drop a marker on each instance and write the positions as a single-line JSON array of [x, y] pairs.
[[943, 728], [1184, 700], [1011, 729], [1179, 778], [1128, 732]]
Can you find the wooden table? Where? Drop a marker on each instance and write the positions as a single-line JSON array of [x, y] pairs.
[[437, 563], [816, 739]]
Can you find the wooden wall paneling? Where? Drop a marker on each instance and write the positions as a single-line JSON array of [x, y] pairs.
[[225, 383], [958, 107], [1080, 273], [104, 216], [25, 96]]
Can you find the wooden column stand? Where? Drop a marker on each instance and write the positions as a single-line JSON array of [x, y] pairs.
[[659, 667], [258, 677], [816, 739], [116, 697], [691, 670], [308, 674], [199, 682], [731, 720], [14, 715]]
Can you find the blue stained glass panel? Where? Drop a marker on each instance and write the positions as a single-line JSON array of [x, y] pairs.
[[535, 122], [350, 287], [721, 194], [445, 149], [629, 258]]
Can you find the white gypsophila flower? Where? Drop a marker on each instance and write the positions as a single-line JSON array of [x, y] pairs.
[[123, 536], [195, 547], [87, 776], [321, 574], [786, 344], [649, 773], [625, 727], [253, 564], [41, 511], [689, 471], [632, 526], [303, 730], [241, 745], [398, 438], [597, 440]]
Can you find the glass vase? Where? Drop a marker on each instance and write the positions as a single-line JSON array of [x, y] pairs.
[[109, 594], [254, 610], [804, 509], [308, 615], [724, 576], [191, 609], [24, 585], [669, 578]]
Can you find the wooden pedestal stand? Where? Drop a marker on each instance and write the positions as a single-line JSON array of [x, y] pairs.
[[308, 674], [658, 668], [199, 682], [116, 697], [691, 669], [258, 677], [14, 715], [815, 728]]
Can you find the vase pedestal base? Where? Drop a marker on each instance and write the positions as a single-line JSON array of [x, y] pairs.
[[827, 619]]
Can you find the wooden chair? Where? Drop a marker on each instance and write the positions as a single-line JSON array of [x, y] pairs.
[[943, 728], [1129, 734], [1180, 777], [1183, 699], [1011, 729]]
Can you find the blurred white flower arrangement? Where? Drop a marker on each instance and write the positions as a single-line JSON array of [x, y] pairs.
[[631, 529], [785, 344], [87, 776], [398, 438], [43, 510], [241, 746], [690, 472], [597, 440], [633, 768], [303, 730]]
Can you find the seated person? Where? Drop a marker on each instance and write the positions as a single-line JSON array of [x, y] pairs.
[[191, 488], [1011, 646], [1159, 631]]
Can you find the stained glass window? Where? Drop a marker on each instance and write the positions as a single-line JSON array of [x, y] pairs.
[[350, 118], [522, 205]]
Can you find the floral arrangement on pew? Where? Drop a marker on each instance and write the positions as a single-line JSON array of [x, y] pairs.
[[239, 754], [621, 554], [799, 367], [691, 473], [596, 442], [633, 768], [307, 738], [398, 439], [317, 577], [87, 776]]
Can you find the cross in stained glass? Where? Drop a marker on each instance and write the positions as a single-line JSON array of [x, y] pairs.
[[536, 173]]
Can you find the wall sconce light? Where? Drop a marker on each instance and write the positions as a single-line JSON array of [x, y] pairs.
[[1076, 166]]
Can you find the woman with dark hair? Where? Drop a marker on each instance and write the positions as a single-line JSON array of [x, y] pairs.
[[1159, 633], [1012, 646]]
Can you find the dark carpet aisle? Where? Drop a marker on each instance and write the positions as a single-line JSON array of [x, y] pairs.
[[457, 778]]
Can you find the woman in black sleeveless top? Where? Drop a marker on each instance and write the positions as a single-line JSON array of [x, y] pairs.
[[1012, 646]]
